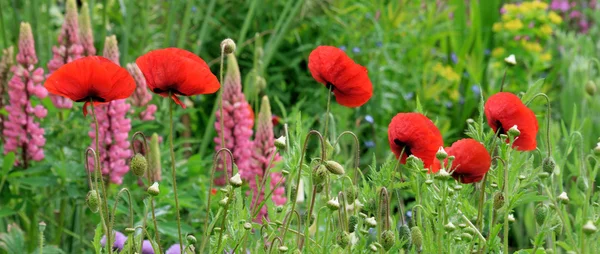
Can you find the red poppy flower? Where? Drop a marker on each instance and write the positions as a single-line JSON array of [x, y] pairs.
[[213, 191], [332, 67], [471, 160], [505, 110], [92, 78], [417, 135], [177, 72]]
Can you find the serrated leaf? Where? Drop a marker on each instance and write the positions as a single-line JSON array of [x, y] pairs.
[[97, 237], [533, 90]]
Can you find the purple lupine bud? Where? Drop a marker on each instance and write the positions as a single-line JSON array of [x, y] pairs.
[[238, 122], [21, 132], [85, 31], [67, 50], [111, 49]]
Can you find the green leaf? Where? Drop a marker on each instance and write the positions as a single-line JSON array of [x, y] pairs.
[[564, 245], [533, 90], [9, 161], [6, 212], [97, 236]]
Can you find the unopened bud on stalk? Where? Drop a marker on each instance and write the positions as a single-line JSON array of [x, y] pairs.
[[293, 193], [417, 237], [511, 60], [283, 249], [371, 222], [514, 131], [589, 228], [522, 177], [319, 175], [247, 226], [428, 181], [228, 46], [333, 204], [563, 198], [372, 247], [470, 121], [511, 218], [154, 164], [41, 226], [343, 239], [441, 154], [541, 213], [590, 87], [280, 143], [449, 227], [153, 189], [93, 201], [279, 209], [129, 231], [138, 164], [334, 167], [442, 174], [543, 175], [548, 165], [498, 200], [351, 194], [466, 236], [191, 239], [236, 181], [352, 223], [404, 233], [458, 187], [387, 239], [224, 201]]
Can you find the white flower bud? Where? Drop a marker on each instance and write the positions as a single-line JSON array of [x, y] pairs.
[[563, 197], [511, 60], [153, 189], [371, 222], [441, 154], [280, 143], [236, 180]]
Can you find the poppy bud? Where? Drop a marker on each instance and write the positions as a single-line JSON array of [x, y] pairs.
[[597, 149], [563, 198], [522, 177], [548, 165], [310, 220], [320, 188], [511, 218], [428, 181], [543, 175], [93, 201], [283, 249], [319, 175], [458, 187], [387, 239], [293, 193], [352, 223], [541, 212], [441, 154], [247, 226], [228, 46], [462, 225], [42, 226], [498, 200], [372, 247], [343, 239], [371, 222], [154, 158], [224, 201], [414, 162], [280, 143], [328, 148], [470, 121], [442, 174], [494, 185], [279, 209], [557, 226], [514, 131], [417, 237], [589, 228], [153, 189], [191, 239], [590, 87], [511, 60], [333, 204], [449, 227], [236, 180], [405, 237], [335, 168], [351, 194], [129, 231], [138, 164], [466, 236]]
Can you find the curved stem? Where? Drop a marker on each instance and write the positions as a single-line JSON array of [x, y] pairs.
[[273, 243], [357, 155], [323, 157], [547, 117], [212, 176], [226, 208], [144, 140], [173, 173], [114, 210], [97, 172]]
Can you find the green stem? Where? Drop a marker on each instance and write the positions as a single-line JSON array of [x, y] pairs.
[[481, 201], [309, 216], [327, 112], [263, 182], [507, 204], [156, 235], [173, 173]]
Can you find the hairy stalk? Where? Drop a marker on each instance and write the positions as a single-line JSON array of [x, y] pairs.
[[156, 235], [102, 185], [273, 243], [212, 176], [356, 156], [329, 90], [173, 173], [114, 210], [507, 205], [309, 216], [323, 157]]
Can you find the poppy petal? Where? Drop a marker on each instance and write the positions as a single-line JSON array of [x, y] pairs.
[[471, 160], [417, 135], [505, 110]]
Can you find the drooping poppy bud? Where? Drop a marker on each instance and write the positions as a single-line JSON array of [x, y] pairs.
[[139, 165], [387, 239]]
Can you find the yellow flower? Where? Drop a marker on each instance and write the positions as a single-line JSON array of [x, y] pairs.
[[510, 8], [513, 25], [498, 52], [554, 18], [497, 27], [546, 29], [532, 46], [546, 57], [525, 7], [446, 72], [540, 5]]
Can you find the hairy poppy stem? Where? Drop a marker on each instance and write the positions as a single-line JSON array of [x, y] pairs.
[[114, 210], [330, 88], [173, 174], [97, 172], [156, 235]]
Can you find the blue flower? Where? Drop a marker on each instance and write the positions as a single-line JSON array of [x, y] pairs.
[[369, 119], [369, 144], [343, 48], [448, 104], [486, 52], [409, 95], [454, 58], [356, 50], [194, 9], [379, 44], [476, 90]]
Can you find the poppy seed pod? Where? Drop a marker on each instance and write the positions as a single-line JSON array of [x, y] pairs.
[[541, 213], [417, 237], [319, 175], [334, 167], [138, 164], [387, 239], [414, 134], [228, 46], [41, 227], [505, 110], [93, 201], [590, 88], [343, 239], [548, 165]]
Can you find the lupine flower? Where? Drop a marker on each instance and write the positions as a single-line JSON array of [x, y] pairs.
[[92, 78], [67, 50], [348, 80], [147, 247], [471, 160], [141, 96], [263, 150], [113, 129], [174, 249], [6, 62], [118, 241], [177, 72], [236, 121], [505, 110], [85, 31], [417, 135], [21, 131]]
